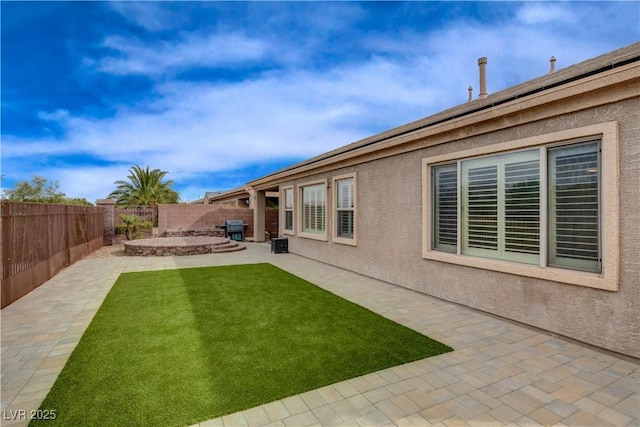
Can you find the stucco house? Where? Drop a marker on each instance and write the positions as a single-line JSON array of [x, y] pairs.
[[523, 203], [237, 197]]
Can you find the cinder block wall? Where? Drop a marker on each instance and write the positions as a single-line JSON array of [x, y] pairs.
[[200, 217]]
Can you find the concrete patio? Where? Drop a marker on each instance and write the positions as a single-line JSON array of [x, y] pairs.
[[500, 373]]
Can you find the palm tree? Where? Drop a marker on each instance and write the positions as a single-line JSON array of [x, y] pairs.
[[145, 188]]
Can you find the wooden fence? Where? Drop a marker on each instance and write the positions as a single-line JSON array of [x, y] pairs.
[[39, 239]]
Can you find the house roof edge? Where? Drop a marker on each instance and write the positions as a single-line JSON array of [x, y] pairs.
[[590, 67]]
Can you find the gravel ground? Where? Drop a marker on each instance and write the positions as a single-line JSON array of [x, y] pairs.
[[107, 252]]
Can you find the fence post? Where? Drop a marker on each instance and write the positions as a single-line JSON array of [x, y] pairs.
[[6, 240], [67, 221], [49, 214], [108, 207]]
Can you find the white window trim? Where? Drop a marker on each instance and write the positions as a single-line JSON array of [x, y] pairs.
[[293, 210], [343, 240], [610, 213], [300, 209]]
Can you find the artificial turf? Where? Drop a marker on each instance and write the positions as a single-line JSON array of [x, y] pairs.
[[176, 347]]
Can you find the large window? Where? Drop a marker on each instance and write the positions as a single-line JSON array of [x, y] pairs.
[[288, 209], [345, 209], [313, 210], [543, 207], [500, 209]]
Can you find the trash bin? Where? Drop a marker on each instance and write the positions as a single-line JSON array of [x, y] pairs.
[[280, 245], [234, 229]]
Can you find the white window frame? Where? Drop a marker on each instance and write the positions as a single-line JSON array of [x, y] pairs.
[[335, 238], [608, 278], [300, 216], [498, 161], [284, 190]]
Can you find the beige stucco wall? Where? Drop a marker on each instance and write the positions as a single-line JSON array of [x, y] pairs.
[[200, 217], [389, 221]]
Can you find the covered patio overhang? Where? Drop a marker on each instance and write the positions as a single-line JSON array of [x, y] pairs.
[[259, 198]]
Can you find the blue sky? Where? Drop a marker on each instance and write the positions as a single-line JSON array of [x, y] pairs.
[[220, 93]]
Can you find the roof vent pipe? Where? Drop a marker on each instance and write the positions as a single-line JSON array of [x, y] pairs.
[[470, 94], [482, 64], [553, 65]]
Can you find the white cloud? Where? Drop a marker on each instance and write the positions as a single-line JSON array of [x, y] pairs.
[[192, 128], [153, 16], [544, 13], [195, 50], [199, 124], [89, 182], [199, 128], [54, 116], [16, 148]]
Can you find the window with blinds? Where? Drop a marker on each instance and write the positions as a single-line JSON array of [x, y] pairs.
[[501, 206], [445, 209], [345, 204], [481, 224], [574, 225], [288, 209], [498, 205], [522, 207], [314, 209]]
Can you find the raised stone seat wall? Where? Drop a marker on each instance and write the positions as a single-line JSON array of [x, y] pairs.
[[184, 245], [211, 232]]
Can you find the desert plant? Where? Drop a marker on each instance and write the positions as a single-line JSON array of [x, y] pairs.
[[132, 225]]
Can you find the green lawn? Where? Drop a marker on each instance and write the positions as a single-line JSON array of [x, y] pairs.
[[177, 347]]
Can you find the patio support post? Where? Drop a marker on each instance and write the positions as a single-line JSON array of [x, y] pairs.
[[259, 210]]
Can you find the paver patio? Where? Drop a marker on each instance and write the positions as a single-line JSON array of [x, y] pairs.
[[500, 372]]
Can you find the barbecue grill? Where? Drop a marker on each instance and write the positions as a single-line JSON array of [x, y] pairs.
[[234, 229]]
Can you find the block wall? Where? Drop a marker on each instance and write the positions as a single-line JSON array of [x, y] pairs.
[[200, 217]]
